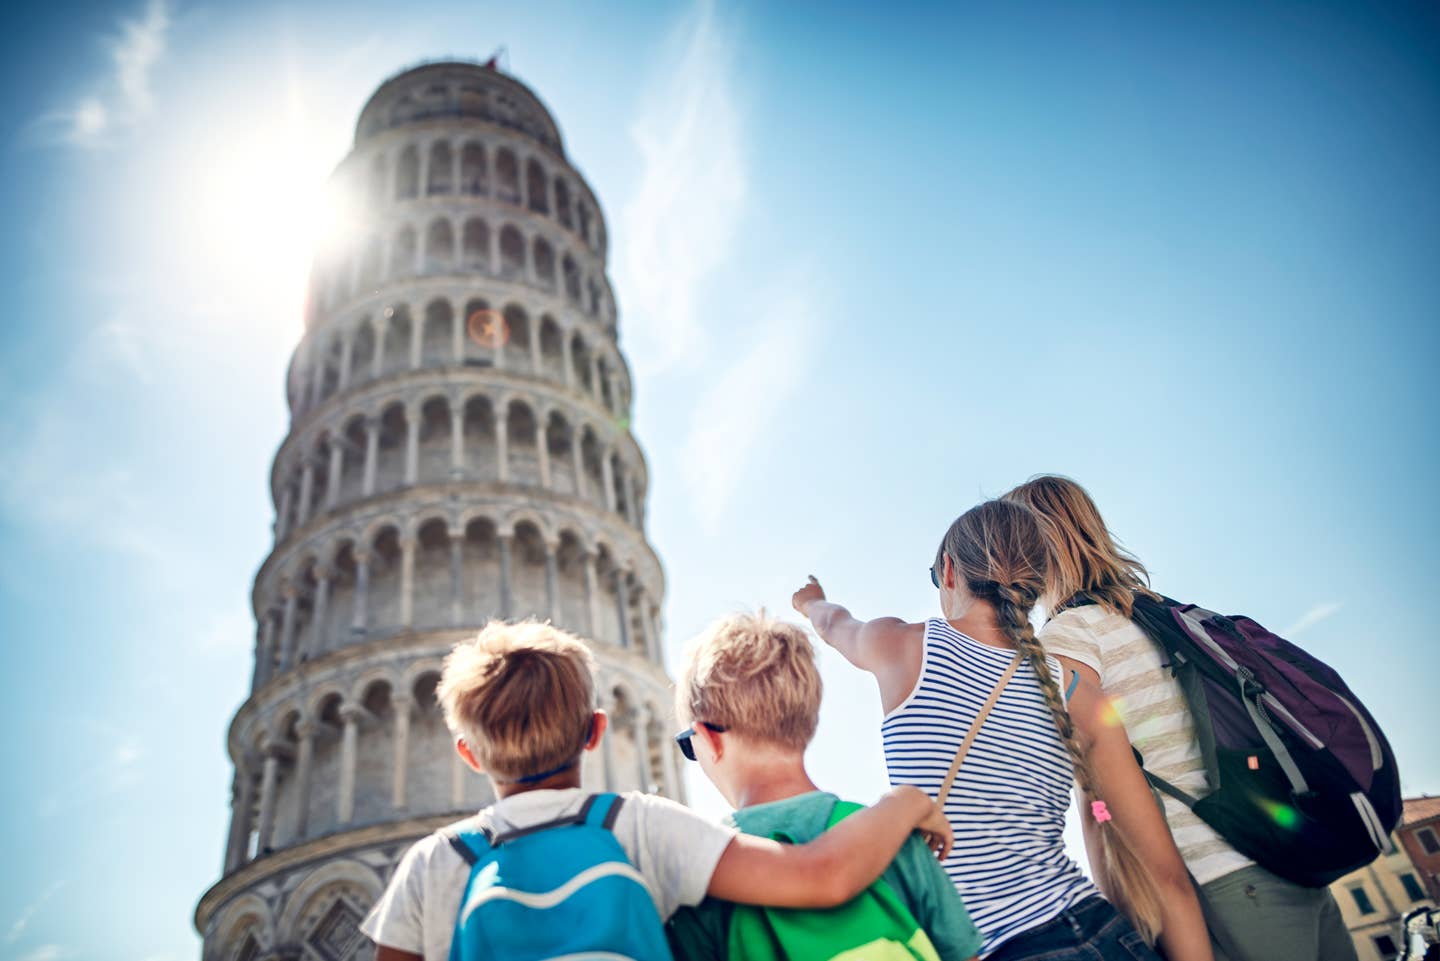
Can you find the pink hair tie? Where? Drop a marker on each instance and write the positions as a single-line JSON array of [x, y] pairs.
[[1101, 812]]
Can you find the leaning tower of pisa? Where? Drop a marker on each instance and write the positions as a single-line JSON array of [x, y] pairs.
[[459, 450]]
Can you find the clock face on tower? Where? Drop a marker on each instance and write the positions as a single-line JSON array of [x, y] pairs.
[[459, 451]]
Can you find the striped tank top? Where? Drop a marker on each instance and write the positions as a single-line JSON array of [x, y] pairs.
[[1008, 805]]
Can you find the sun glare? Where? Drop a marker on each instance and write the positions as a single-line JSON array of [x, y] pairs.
[[266, 209]]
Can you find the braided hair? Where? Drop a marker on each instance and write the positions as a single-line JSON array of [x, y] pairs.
[[1002, 555]]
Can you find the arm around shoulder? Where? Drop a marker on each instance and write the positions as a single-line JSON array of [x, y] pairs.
[[834, 867]]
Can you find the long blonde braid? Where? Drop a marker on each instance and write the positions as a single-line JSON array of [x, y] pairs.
[[1000, 551]]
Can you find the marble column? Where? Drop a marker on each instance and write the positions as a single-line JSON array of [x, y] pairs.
[[576, 449], [592, 594], [622, 601], [362, 590], [412, 443], [457, 439], [307, 490], [282, 516], [372, 453], [305, 732], [457, 334], [288, 627], [347, 354], [607, 472], [542, 450], [337, 467], [457, 578], [567, 353], [502, 442], [264, 639], [552, 578], [320, 636], [349, 746], [241, 799], [505, 541], [402, 705], [407, 580], [269, 780]]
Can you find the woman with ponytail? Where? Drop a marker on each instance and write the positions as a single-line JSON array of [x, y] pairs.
[[1090, 592], [976, 686]]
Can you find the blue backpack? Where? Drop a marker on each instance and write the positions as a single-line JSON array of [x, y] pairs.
[[560, 889]]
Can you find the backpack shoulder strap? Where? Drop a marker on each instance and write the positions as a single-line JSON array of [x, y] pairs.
[[471, 844], [600, 810], [980, 717]]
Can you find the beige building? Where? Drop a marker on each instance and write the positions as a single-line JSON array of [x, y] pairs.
[[1375, 898], [459, 450]]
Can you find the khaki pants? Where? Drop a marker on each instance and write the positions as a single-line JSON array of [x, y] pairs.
[[1271, 919]]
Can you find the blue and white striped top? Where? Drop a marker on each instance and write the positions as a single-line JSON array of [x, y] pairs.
[[1009, 800]]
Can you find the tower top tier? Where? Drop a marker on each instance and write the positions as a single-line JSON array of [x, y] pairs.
[[457, 89]]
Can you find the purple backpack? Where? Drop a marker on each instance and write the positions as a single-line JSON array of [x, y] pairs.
[[1302, 781]]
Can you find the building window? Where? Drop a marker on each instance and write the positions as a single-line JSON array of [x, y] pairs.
[[1428, 840], [1412, 887], [1362, 901], [1386, 946]]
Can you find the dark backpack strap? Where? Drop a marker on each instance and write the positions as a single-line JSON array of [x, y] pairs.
[[470, 845], [598, 809], [601, 810]]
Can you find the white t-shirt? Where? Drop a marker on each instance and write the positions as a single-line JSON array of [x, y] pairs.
[[1157, 719], [674, 849]]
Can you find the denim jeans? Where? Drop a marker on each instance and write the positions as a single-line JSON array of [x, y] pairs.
[[1090, 931]]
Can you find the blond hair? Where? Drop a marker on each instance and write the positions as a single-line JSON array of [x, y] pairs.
[[1002, 555], [1085, 557], [754, 675], [522, 696]]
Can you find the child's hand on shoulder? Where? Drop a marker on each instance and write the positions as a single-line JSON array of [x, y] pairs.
[[930, 819]]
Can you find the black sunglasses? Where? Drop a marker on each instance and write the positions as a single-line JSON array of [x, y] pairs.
[[683, 738], [934, 577]]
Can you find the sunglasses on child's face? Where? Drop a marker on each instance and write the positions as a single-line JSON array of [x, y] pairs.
[[683, 738], [934, 578]]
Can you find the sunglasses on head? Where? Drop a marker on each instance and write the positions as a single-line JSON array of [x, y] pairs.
[[683, 738]]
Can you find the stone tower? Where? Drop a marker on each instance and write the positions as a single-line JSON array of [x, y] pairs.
[[459, 450]]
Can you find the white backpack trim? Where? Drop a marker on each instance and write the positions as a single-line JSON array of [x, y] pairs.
[[543, 900]]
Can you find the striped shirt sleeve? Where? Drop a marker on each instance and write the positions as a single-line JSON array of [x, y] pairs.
[[1068, 634]]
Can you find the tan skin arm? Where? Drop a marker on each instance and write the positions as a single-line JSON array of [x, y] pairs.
[[834, 867], [888, 647], [1132, 806]]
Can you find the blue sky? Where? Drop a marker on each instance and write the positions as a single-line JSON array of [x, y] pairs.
[[872, 266]]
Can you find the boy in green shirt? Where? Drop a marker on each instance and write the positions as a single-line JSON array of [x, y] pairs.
[[751, 694]]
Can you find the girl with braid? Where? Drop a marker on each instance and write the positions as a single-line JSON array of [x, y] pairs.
[[1009, 795]]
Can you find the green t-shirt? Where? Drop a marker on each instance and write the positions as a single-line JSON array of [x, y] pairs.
[[700, 933]]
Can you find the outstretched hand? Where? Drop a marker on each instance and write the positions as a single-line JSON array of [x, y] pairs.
[[807, 595]]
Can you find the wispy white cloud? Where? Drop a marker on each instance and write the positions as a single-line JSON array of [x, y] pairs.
[[27, 914], [44, 952], [683, 220], [123, 95], [1310, 618], [734, 409]]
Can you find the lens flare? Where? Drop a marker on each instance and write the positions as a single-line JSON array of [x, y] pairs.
[[1283, 815], [488, 328], [1111, 712]]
